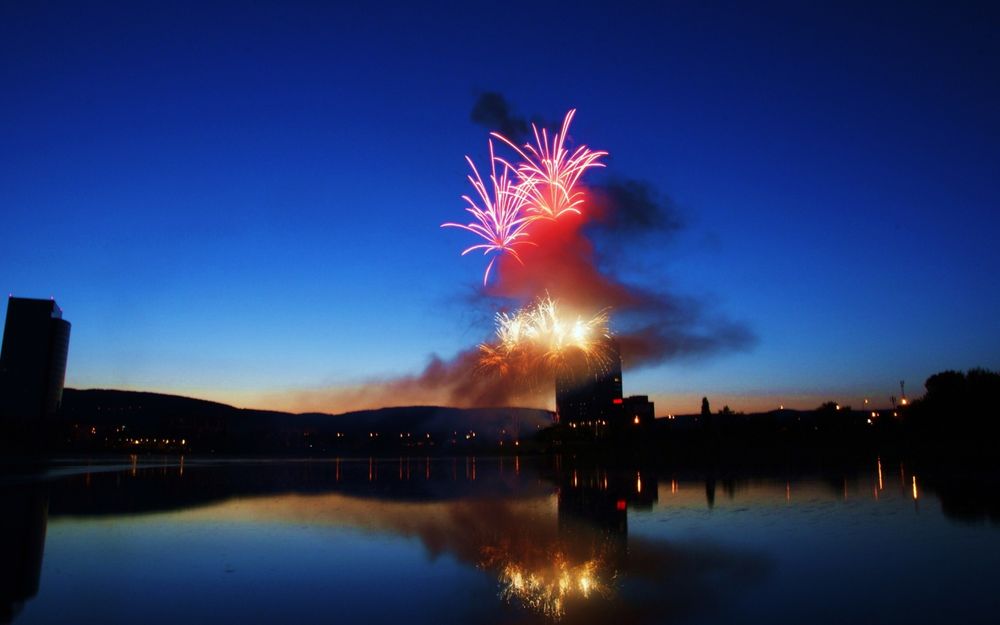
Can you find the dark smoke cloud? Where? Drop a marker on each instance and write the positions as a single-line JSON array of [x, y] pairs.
[[633, 207], [493, 113], [660, 340], [652, 325], [458, 382], [465, 384], [627, 217]]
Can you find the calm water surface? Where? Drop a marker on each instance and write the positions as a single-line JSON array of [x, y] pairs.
[[491, 540]]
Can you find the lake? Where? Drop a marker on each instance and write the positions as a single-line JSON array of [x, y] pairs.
[[494, 540]]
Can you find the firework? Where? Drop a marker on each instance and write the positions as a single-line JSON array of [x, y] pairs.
[[543, 185], [541, 336], [499, 213], [549, 173]]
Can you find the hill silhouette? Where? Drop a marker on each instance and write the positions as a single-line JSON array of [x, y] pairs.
[[103, 418]]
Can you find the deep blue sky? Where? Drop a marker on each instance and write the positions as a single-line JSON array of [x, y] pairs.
[[238, 200]]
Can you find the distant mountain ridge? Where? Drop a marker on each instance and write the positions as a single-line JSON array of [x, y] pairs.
[[156, 415]]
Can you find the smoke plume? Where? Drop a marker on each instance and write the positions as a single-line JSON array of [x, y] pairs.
[[457, 381], [492, 111], [574, 260]]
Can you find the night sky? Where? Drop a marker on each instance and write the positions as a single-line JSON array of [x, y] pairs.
[[241, 202]]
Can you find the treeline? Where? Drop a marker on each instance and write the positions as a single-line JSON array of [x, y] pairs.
[[958, 405]]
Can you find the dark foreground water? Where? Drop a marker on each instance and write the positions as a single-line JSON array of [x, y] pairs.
[[490, 540]]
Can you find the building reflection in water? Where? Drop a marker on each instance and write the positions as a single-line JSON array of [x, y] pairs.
[[585, 558], [22, 541]]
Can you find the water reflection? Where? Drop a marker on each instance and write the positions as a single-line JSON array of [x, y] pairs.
[[549, 574], [553, 534], [22, 542]]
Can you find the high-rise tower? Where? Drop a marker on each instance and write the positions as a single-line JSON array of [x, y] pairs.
[[32, 361], [589, 390]]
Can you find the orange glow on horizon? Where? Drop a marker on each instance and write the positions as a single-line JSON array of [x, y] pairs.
[[386, 393]]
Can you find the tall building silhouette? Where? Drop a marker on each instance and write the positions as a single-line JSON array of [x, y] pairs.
[[32, 361], [589, 390]]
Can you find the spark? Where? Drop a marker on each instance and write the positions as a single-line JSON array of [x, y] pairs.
[[549, 173], [542, 185], [543, 336], [499, 213]]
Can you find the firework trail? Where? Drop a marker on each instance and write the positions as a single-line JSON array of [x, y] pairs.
[[549, 173], [499, 215], [542, 186]]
